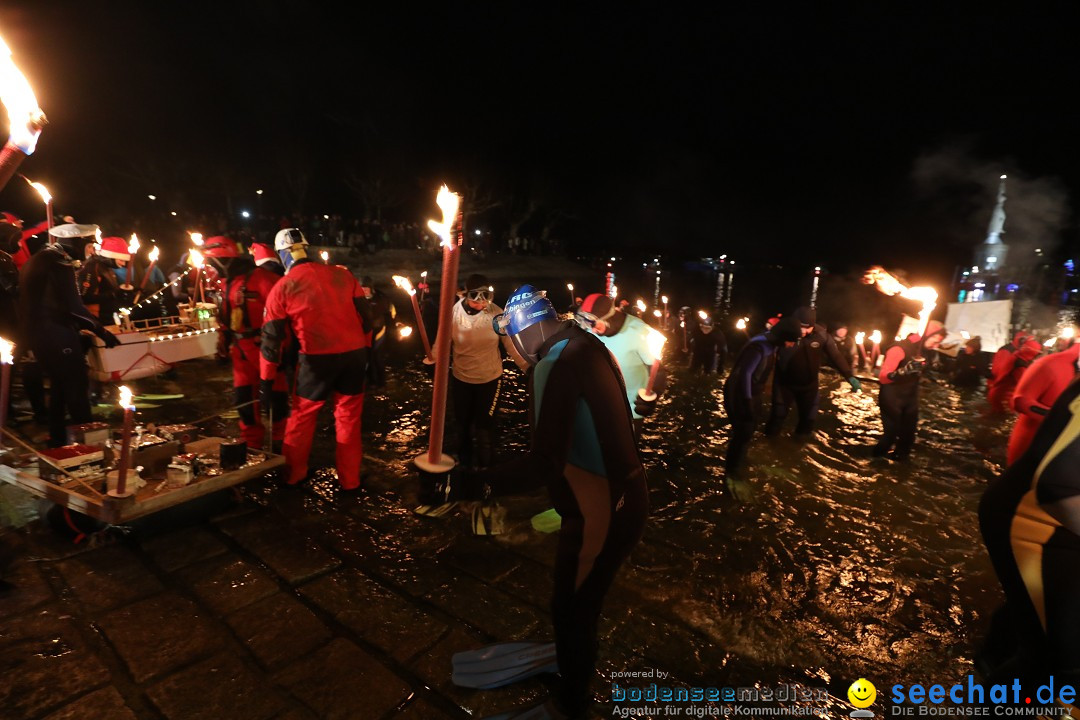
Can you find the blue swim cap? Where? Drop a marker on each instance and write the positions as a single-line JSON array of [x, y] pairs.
[[525, 307]]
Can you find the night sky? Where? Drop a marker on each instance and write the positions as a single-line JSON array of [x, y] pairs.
[[841, 134]]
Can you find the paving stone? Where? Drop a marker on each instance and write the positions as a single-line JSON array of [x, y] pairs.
[[486, 608], [160, 634], [375, 614], [44, 664], [278, 629], [342, 681], [227, 583], [421, 710], [31, 589], [475, 556], [531, 582], [109, 577], [290, 554], [184, 547], [103, 703], [220, 687]]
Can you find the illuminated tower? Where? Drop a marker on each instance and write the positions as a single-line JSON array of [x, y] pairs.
[[991, 255]]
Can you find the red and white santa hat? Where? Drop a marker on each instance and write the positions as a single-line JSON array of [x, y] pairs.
[[262, 253], [115, 248]]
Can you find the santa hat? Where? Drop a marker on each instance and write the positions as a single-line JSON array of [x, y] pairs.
[[262, 252], [115, 248]]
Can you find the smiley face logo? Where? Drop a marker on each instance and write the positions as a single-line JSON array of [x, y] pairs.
[[862, 693]]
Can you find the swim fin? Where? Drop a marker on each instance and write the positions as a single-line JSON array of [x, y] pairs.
[[501, 664], [548, 521], [488, 518], [434, 511]]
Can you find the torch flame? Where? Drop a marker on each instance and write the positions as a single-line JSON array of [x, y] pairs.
[[7, 352], [1050, 342], [196, 238], [45, 196], [657, 313], [741, 324], [965, 334], [24, 116], [570, 287], [890, 285], [154, 254], [449, 203], [702, 314], [195, 258], [125, 398], [325, 256], [875, 337], [656, 342], [663, 299], [860, 338], [640, 305], [404, 284], [1068, 333], [133, 246], [405, 331]]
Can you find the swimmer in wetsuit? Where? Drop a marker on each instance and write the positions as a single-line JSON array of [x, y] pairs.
[[1030, 522], [583, 449], [1037, 390]]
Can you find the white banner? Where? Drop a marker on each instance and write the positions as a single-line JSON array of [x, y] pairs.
[[990, 320]]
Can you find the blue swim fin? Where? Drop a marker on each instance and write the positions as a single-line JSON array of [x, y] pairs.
[[501, 664]]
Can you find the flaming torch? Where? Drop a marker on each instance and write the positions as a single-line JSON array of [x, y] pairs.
[[450, 230], [640, 305], [128, 405], [325, 256], [46, 198], [133, 250], [663, 298], [570, 287], [891, 285], [7, 357], [146, 276], [875, 351], [404, 284], [656, 342], [860, 339], [196, 259], [25, 117]]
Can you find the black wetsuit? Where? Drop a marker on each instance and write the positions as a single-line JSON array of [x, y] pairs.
[[743, 390], [898, 400], [583, 448], [708, 350], [970, 369], [796, 381], [51, 313], [1034, 555]]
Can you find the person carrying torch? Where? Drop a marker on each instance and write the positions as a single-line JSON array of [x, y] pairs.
[[627, 337], [898, 399], [583, 449], [324, 310]]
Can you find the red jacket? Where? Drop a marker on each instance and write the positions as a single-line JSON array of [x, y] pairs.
[[320, 305]]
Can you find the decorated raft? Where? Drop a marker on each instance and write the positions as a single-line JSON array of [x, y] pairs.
[[153, 346]]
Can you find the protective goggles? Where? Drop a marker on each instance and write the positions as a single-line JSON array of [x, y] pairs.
[[481, 294], [587, 320]]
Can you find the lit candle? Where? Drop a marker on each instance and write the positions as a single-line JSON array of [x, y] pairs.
[[450, 231], [125, 443], [570, 287], [404, 284], [656, 342], [7, 357]]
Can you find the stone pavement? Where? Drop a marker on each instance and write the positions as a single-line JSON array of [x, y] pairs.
[[295, 603]]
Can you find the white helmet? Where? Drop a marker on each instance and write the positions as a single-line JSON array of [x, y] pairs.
[[288, 237], [290, 245]]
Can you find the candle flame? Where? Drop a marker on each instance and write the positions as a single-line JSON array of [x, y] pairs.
[[42, 191], [404, 284], [125, 398], [656, 342], [663, 298], [405, 331], [18, 97], [640, 305], [7, 352], [891, 285], [154, 254], [860, 338], [741, 324], [448, 202], [133, 246], [875, 337], [196, 238], [195, 258], [702, 314]]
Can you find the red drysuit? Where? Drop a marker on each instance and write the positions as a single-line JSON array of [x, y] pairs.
[[1006, 371], [1037, 390]]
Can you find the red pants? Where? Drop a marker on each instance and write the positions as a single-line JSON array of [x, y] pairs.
[[300, 431], [245, 362]]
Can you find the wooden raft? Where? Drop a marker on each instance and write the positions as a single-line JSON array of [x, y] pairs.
[[149, 499]]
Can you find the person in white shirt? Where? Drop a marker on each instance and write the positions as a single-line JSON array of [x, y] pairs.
[[476, 375]]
